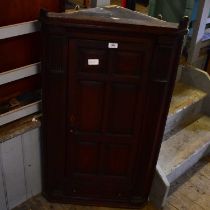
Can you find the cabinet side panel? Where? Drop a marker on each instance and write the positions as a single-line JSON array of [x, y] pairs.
[[160, 87], [54, 114]]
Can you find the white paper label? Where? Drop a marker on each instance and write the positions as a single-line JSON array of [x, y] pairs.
[[113, 45], [93, 62]]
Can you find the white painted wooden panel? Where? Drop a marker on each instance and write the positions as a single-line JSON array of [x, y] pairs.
[[19, 29], [32, 161], [19, 73], [3, 205], [20, 112], [12, 162]]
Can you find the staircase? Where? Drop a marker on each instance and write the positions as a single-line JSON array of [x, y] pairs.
[[187, 133]]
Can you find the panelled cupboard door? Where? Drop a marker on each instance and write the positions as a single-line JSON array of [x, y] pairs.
[[105, 103]]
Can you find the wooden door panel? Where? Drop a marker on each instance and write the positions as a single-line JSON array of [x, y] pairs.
[[93, 57], [116, 160], [91, 188], [122, 108], [103, 117], [107, 159], [128, 63], [86, 158], [89, 112], [90, 55]]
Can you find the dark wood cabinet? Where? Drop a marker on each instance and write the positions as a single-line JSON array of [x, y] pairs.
[[108, 76]]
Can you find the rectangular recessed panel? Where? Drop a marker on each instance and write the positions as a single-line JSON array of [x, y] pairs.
[[90, 106], [122, 108], [117, 160], [86, 160], [92, 60], [128, 63]]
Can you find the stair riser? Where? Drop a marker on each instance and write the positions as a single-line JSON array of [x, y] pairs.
[[160, 189], [184, 117], [192, 160]]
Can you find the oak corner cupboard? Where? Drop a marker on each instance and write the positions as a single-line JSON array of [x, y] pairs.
[[108, 75]]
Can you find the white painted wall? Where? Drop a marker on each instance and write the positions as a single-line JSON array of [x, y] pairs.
[[20, 169]]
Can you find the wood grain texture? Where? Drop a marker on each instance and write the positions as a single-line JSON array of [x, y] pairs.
[[26, 10], [12, 161], [192, 192], [40, 203], [13, 89], [19, 51]]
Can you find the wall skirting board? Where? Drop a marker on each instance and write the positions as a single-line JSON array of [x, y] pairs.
[[20, 164]]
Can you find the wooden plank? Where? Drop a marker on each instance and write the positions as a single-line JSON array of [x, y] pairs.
[[194, 188], [19, 51], [12, 161], [20, 112], [180, 201], [197, 190], [39, 203], [3, 202], [32, 161], [19, 29], [16, 88], [168, 206], [17, 11], [19, 73]]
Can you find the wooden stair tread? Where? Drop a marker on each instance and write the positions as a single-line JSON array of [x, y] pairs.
[[181, 146], [184, 96]]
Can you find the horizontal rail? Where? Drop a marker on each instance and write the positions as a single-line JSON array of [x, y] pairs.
[[19, 73], [20, 112], [19, 29]]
